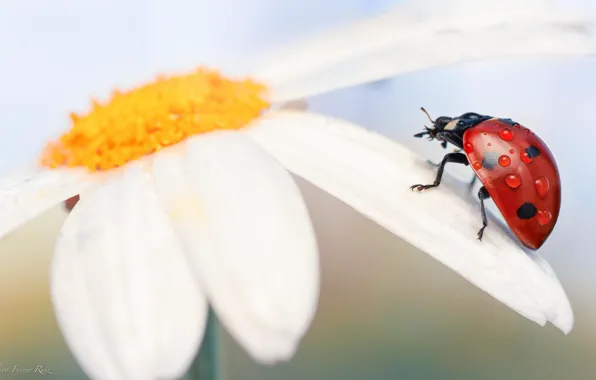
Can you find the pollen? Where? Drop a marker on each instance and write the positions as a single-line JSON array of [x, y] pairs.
[[151, 117]]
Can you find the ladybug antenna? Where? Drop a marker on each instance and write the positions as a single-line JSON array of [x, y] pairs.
[[427, 115]]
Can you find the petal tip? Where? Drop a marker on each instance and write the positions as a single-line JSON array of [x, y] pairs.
[[564, 321], [282, 351]]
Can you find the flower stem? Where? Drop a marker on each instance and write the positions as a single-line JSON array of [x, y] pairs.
[[206, 365]]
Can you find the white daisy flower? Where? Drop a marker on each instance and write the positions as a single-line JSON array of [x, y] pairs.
[[187, 198]]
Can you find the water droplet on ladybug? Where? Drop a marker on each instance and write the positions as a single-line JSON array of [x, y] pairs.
[[506, 134], [477, 165], [489, 144], [504, 161], [511, 151], [542, 186], [513, 181], [516, 125], [525, 157], [527, 130], [484, 133], [543, 217], [469, 148]]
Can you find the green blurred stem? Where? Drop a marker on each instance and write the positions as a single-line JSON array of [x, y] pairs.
[[206, 365]]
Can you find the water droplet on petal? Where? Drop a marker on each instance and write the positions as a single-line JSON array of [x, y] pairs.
[[513, 181], [506, 134], [511, 151], [469, 148], [542, 186], [504, 161], [525, 157], [489, 144], [477, 165], [544, 217]]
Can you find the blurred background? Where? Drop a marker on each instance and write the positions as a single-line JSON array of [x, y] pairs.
[[387, 310]]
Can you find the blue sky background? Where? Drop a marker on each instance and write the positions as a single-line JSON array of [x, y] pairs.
[[57, 54]]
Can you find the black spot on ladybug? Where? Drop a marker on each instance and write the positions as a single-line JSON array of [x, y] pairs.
[[490, 160], [532, 151], [526, 211]]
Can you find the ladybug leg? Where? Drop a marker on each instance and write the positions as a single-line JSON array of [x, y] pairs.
[[458, 158], [437, 165], [472, 183], [482, 195]]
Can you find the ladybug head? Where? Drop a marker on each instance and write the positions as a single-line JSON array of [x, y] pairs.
[[438, 127]]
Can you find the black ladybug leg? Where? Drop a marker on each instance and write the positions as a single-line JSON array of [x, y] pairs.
[[472, 183], [437, 165], [482, 195], [458, 158]]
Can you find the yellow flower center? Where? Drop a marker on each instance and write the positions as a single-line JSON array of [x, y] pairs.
[[146, 119]]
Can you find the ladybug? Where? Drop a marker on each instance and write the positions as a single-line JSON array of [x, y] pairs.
[[516, 168]]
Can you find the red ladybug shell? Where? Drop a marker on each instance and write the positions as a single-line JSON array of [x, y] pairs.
[[520, 174]]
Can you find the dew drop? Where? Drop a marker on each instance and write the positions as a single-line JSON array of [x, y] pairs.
[[527, 130], [484, 133], [469, 148], [489, 144], [525, 157], [542, 186], [511, 151], [504, 161], [543, 217], [513, 181], [506, 134], [477, 165]]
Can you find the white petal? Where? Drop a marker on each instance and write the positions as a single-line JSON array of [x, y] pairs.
[[28, 194], [249, 238], [373, 175], [419, 35], [125, 298]]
